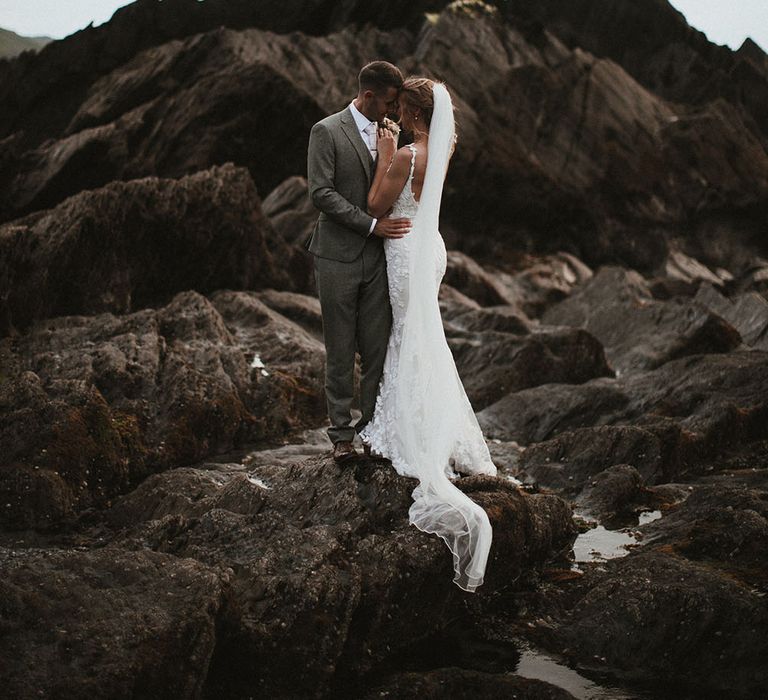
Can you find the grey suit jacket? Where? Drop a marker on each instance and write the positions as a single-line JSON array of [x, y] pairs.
[[339, 171]]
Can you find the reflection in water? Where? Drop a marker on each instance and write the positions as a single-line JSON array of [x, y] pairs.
[[540, 666], [599, 543]]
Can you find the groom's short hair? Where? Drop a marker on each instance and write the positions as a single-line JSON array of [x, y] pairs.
[[378, 76]]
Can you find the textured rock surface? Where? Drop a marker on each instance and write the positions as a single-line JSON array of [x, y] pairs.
[[304, 565], [131, 245], [171, 524], [578, 156], [95, 403]]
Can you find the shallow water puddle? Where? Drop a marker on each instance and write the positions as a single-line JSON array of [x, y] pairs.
[[538, 665], [601, 544]]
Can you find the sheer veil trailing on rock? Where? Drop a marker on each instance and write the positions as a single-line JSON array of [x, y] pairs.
[[432, 404]]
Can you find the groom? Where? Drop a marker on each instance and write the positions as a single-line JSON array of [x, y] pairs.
[[350, 266]]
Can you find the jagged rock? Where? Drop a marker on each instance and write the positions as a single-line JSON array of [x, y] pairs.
[[464, 274], [670, 422], [612, 492], [131, 245], [680, 266], [725, 526], [568, 461], [323, 557], [492, 364], [94, 404], [747, 313], [559, 166], [299, 308], [639, 332], [636, 619], [290, 210], [543, 280], [541, 412], [106, 623]]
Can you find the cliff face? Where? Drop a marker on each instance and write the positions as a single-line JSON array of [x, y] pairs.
[[611, 130]]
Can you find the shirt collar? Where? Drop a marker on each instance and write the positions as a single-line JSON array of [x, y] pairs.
[[360, 119]]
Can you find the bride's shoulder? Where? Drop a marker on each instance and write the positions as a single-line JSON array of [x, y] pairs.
[[401, 160]]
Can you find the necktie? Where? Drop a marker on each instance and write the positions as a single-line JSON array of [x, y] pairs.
[[370, 130]]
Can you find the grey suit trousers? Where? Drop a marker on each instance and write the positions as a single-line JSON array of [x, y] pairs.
[[354, 299]]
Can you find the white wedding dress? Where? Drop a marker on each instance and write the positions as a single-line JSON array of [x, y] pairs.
[[423, 421]]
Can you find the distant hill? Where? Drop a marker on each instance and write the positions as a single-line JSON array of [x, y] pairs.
[[12, 44]]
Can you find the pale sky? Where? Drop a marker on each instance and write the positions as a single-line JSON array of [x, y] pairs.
[[723, 21]]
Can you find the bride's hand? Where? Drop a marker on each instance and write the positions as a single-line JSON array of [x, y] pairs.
[[386, 145]]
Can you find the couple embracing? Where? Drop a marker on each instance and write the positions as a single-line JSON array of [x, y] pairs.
[[379, 260]]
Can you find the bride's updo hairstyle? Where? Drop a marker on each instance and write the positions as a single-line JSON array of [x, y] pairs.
[[416, 95]]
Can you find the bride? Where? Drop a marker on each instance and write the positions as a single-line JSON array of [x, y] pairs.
[[423, 421]]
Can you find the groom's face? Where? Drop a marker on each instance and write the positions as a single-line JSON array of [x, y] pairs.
[[378, 105]]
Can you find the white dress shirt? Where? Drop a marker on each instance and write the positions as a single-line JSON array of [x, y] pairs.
[[370, 140]]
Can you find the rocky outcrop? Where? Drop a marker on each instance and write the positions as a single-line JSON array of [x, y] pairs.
[[303, 565], [170, 522], [560, 164], [493, 364], [128, 246], [666, 423], [93, 404], [140, 622], [618, 619], [618, 308]]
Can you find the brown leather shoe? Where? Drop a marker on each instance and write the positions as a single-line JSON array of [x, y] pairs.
[[343, 451]]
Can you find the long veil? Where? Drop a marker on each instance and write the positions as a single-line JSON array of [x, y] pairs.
[[432, 405]]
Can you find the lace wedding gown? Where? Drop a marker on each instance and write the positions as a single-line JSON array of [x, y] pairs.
[[423, 421]]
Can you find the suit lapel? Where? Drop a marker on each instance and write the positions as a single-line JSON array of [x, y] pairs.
[[349, 127]]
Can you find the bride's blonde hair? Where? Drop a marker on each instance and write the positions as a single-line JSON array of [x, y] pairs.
[[416, 94]]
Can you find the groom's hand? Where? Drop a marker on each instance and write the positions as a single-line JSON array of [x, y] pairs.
[[392, 228]]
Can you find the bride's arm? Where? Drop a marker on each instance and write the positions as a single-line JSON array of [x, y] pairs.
[[392, 169]]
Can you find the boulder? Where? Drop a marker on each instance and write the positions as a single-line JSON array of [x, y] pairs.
[[96, 403], [658, 619], [107, 623], [136, 244], [639, 332], [492, 364], [323, 558]]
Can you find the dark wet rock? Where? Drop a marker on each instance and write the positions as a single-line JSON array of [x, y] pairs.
[[131, 245], [543, 280], [747, 312], [568, 170], [541, 412], [95, 52], [503, 319], [299, 308], [656, 618], [722, 525], [290, 210], [492, 364], [471, 279], [753, 278], [655, 44], [95, 403], [673, 420], [106, 623], [613, 492], [244, 97], [569, 460], [639, 332], [452, 682], [323, 557]]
